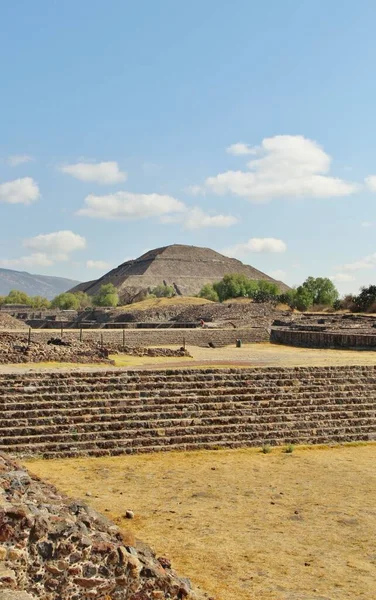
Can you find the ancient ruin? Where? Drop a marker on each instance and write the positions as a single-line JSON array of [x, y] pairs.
[[186, 268], [55, 547]]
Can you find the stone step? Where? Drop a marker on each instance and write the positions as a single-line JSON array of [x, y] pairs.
[[128, 423], [113, 447], [146, 403], [147, 383], [246, 427], [236, 412]]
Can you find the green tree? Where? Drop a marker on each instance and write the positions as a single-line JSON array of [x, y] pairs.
[[163, 291], [39, 302], [366, 298], [303, 298], [322, 290], [65, 301], [107, 296], [207, 291], [233, 285], [17, 297], [84, 300]]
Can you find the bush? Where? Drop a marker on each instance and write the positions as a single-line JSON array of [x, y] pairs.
[[107, 296], [163, 291], [266, 449], [208, 292], [65, 301]]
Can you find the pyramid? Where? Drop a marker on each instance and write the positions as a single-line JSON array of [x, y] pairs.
[[186, 268]]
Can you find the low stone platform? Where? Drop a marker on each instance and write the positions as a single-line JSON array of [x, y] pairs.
[[54, 414]]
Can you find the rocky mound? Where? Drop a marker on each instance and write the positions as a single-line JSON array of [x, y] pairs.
[[186, 268], [57, 549], [14, 349], [8, 322]]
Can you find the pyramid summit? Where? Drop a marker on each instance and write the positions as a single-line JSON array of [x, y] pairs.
[[186, 268]]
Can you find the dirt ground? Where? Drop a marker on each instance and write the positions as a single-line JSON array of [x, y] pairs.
[[241, 524], [249, 355]]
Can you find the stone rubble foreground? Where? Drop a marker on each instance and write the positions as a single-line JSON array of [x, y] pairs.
[[52, 547]]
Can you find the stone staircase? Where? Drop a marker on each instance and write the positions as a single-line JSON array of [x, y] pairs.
[[55, 414]]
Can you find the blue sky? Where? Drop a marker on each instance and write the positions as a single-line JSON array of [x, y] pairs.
[[244, 126]]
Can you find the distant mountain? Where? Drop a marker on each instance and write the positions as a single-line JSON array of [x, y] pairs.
[[33, 285]]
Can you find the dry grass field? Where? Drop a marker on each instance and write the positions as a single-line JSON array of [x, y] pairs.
[[249, 355], [241, 524]]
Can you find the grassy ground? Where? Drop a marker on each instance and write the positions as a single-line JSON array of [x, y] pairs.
[[241, 524], [250, 355], [164, 303]]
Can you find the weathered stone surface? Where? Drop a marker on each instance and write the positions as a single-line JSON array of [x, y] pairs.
[[54, 548]]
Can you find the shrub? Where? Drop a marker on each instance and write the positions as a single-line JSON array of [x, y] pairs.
[[163, 291], [266, 449], [107, 296], [208, 292], [65, 301], [289, 449]]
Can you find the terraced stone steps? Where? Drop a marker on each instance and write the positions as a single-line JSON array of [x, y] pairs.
[[98, 413]]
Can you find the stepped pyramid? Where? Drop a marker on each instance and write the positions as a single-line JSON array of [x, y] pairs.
[[186, 268]]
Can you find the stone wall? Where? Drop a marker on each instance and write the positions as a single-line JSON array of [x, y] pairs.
[[53, 547], [162, 337], [120, 411], [323, 339]]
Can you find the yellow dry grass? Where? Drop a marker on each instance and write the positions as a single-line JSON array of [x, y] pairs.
[[241, 524], [249, 355], [164, 303]]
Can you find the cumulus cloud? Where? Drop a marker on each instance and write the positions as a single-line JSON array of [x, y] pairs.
[[342, 278], [256, 245], [18, 159], [38, 259], [129, 206], [19, 191], [286, 166], [240, 149], [367, 262], [58, 245], [103, 172], [196, 218], [97, 264]]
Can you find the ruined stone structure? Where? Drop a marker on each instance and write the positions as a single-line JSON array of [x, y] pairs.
[[326, 331], [52, 547], [186, 268], [115, 412]]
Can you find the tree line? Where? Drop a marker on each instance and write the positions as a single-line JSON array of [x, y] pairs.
[[107, 296], [314, 292]]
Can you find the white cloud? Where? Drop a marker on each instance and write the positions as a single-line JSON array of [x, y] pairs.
[[58, 245], [342, 277], [288, 166], [103, 172], [367, 224], [241, 149], [368, 262], [195, 190], [128, 206], [97, 264], [18, 159], [38, 259], [196, 218], [278, 274], [19, 191], [256, 245], [371, 182]]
